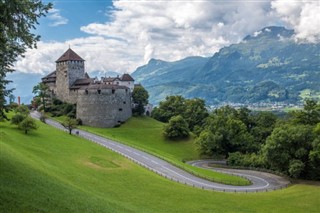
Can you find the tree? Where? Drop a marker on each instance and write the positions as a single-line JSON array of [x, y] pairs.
[[140, 99], [21, 113], [208, 143], [17, 119], [287, 147], [310, 115], [172, 106], [17, 19], [11, 98], [228, 133], [176, 128], [195, 113], [314, 156], [22, 109], [27, 124], [42, 91], [70, 124], [263, 124]]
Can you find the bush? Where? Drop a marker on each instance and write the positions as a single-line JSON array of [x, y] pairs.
[[17, 118], [176, 128], [57, 102], [27, 124], [246, 160], [296, 167]]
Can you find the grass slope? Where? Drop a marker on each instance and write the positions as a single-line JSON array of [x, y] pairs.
[[51, 171], [146, 134]]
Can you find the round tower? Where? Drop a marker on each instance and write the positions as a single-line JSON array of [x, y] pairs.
[[69, 68]]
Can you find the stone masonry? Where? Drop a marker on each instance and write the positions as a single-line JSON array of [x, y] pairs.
[[104, 103]]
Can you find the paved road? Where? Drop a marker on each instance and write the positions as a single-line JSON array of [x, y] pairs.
[[167, 170]]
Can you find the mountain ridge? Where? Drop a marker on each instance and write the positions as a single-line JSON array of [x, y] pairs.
[[267, 66]]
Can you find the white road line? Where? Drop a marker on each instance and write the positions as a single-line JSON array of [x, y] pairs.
[[145, 157], [214, 186], [154, 162]]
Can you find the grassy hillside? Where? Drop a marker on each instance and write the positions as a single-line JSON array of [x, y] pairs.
[[146, 134], [51, 171]]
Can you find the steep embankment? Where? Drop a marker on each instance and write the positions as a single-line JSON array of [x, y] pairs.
[[50, 171]]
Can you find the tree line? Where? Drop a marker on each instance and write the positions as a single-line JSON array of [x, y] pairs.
[[288, 144]]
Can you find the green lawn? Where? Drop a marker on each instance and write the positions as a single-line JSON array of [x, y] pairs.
[[146, 134], [51, 171]]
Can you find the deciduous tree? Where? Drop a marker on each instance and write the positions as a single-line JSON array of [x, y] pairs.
[[287, 149], [17, 20], [70, 124], [176, 128], [140, 99], [172, 106], [28, 124]]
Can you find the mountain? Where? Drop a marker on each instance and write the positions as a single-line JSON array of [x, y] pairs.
[[268, 66], [163, 78]]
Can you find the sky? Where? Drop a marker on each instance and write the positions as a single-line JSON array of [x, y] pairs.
[[122, 35]]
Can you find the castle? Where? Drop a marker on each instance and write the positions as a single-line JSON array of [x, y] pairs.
[[100, 103]]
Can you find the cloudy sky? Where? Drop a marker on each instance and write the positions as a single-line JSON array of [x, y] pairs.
[[121, 35]]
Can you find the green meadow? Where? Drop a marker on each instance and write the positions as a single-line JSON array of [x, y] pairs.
[[145, 133], [51, 171]]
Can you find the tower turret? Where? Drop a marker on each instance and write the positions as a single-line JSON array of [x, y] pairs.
[[69, 68]]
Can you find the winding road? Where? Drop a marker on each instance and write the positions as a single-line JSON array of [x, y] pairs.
[[260, 181]]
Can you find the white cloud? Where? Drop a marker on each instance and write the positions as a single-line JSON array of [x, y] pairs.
[[303, 16], [170, 30], [55, 16]]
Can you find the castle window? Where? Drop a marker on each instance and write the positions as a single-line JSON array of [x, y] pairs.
[[120, 109], [126, 90], [87, 91], [124, 102], [113, 90], [99, 91]]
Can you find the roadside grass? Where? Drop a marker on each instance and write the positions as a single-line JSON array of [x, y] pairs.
[[51, 171], [145, 133]]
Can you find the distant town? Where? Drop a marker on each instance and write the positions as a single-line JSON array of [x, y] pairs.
[[262, 106]]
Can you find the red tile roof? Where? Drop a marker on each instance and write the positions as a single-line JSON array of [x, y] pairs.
[[69, 55]]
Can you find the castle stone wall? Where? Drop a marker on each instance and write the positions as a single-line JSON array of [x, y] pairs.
[[106, 109], [67, 73]]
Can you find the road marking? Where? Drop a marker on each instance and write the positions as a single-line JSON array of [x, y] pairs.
[[154, 162], [136, 153], [106, 143], [213, 185], [145, 157]]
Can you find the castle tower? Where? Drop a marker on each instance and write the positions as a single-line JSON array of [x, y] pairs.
[[69, 68]]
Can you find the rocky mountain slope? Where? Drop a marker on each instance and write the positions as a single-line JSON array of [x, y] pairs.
[[268, 66]]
